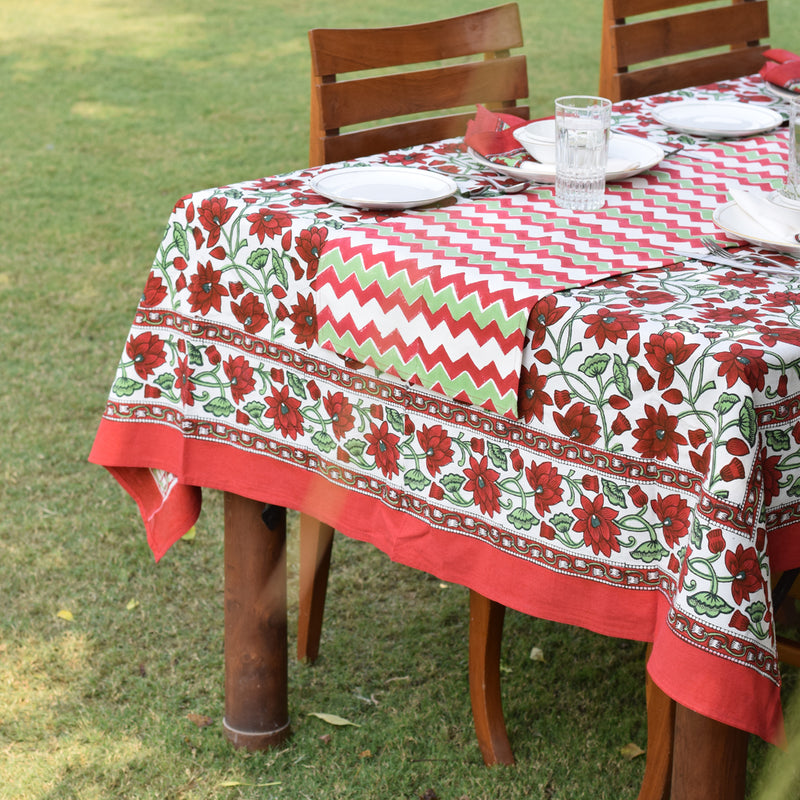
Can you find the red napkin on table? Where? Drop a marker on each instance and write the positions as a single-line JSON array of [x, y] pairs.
[[490, 133], [783, 69]]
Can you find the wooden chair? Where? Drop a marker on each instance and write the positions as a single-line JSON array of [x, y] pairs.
[[705, 44], [485, 638], [498, 81], [442, 98]]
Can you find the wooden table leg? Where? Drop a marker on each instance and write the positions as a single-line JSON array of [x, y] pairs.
[[660, 732], [710, 760], [485, 637], [256, 664]]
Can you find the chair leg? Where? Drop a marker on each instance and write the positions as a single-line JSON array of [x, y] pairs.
[[710, 759], [316, 543], [660, 731], [485, 637]]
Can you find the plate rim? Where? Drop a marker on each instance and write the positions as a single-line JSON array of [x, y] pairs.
[[524, 174], [449, 187], [762, 241], [659, 112]]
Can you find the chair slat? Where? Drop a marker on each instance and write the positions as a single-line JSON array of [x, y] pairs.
[[336, 51], [354, 144], [688, 33], [356, 101], [693, 72], [630, 8]]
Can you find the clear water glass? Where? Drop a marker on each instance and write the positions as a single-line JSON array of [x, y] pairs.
[[791, 188], [582, 130]]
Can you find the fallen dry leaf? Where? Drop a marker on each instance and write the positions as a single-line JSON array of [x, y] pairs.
[[64, 614], [332, 719], [190, 534], [226, 784], [201, 720], [631, 751], [132, 604], [537, 654]]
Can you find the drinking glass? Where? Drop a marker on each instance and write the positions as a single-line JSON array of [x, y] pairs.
[[791, 188], [582, 131]]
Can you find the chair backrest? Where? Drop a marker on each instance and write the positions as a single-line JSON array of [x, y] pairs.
[[707, 43], [498, 80]]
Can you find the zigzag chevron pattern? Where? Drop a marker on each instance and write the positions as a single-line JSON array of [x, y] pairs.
[[442, 297]]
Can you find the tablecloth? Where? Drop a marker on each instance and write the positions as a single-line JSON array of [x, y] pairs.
[[648, 489]]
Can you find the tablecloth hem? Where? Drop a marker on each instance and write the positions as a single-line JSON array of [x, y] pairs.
[[456, 557]]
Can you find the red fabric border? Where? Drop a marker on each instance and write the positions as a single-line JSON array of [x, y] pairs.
[[698, 681]]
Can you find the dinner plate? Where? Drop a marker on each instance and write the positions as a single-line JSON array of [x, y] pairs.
[[381, 187], [627, 156], [717, 119], [731, 219], [779, 91]]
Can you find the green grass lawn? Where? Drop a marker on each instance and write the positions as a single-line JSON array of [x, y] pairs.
[[109, 112]]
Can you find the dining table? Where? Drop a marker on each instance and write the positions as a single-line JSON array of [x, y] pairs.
[[576, 414]]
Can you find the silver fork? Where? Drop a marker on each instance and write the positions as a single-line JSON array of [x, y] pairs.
[[715, 248], [479, 176]]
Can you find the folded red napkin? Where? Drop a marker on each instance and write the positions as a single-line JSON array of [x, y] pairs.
[[490, 133], [783, 69]]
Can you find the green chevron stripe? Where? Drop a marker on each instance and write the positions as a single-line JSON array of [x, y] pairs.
[[470, 305], [451, 385]]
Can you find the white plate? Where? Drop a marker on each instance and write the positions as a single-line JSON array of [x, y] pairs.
[[731, 219], [379, 187], [717, 119], [779, 91], [627, 156]]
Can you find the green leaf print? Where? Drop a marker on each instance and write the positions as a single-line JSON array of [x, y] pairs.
[[709, 604]]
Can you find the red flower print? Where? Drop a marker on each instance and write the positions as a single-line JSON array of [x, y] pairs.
[[481, 481], [579, 423], [746, 364], [532, 396], [183, 382], [715, 540], [240, 375], [771, 476], [213, 214], [251, 313], [436, 445], [340, 411], [739, 621], [266, 222], [649, 297], [205, 290], [745, 280], [732, 316], [664, 352], [383, 447], [147, 352], [545, 312], [746, 571], [304, 317], [309, 246], [545, 481], [595, 521], [657, 434], [278, 184], [154, 291], [673, 514], [285, 411], [610, 325]]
